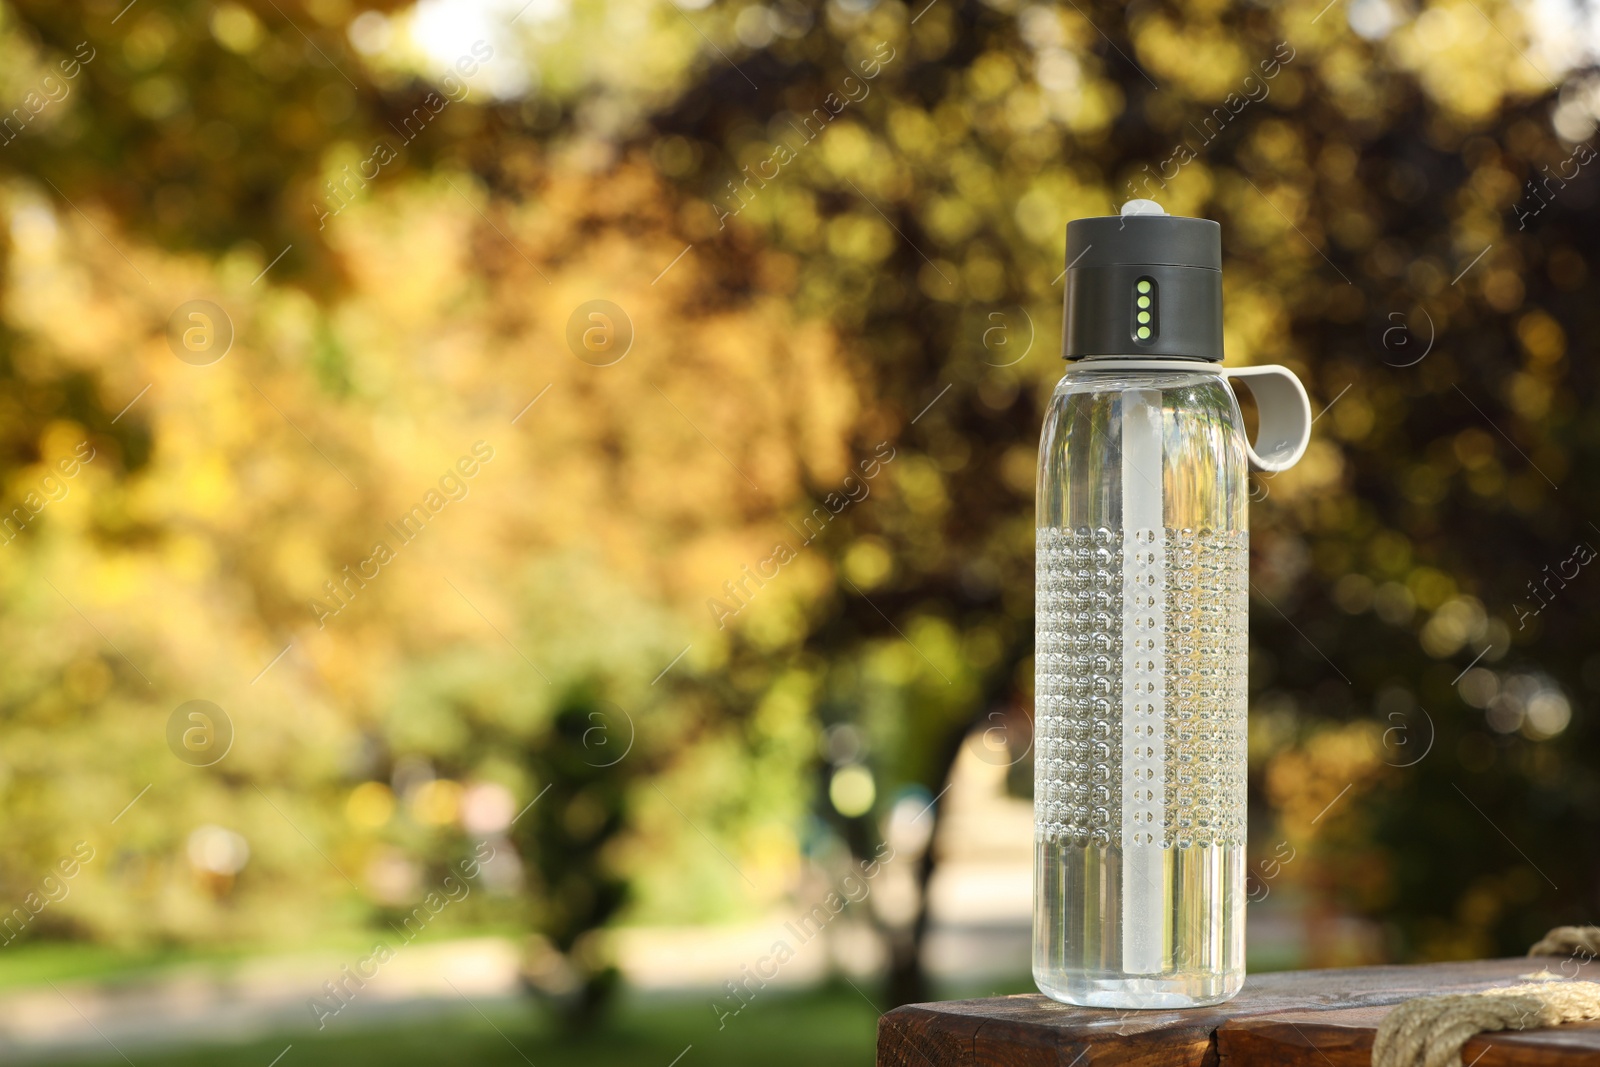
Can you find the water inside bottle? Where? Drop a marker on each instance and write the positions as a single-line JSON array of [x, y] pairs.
[[1140, 762]]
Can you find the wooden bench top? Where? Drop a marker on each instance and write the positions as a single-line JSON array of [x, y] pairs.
[[1288, 1019]]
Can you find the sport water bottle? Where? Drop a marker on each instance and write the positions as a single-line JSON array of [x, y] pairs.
[[1142, 621]]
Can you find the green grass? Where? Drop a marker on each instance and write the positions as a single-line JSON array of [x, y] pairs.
[[832, 1026], [58, 961]]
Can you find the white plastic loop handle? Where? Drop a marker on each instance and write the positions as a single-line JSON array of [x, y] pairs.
[[1285, 424]]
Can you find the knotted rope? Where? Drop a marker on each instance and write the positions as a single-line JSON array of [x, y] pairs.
[[1569, 941], [1429, 1031]]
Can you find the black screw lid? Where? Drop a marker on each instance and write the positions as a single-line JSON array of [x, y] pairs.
[[1144, 283]]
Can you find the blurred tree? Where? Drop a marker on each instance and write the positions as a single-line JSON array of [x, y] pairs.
[[225, 501], [1354, 208], [1403, 195]]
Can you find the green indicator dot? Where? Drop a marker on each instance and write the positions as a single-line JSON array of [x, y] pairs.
[[1144, 332], [1144, 301], [1144, 287], [1144, 316]]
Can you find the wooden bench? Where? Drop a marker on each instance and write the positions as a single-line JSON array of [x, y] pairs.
[[1289, 1019]]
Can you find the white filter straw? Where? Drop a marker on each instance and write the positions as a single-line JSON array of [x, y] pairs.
[[1144, 666]]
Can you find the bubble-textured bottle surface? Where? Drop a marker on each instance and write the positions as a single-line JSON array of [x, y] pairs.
[[1140, 699]]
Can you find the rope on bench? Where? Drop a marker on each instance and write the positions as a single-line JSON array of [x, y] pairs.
[[1429, 1031], [1570, 941]]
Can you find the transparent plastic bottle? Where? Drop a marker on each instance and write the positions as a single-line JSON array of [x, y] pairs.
[[1142, 624]]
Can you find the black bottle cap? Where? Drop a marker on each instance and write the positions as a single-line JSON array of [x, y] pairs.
[[1143, 284]]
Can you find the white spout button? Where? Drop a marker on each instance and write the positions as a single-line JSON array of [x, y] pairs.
[[1142, 207]]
